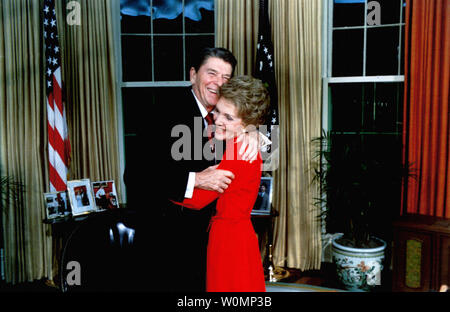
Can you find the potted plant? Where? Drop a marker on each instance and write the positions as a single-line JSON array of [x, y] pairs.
[[360, 195]]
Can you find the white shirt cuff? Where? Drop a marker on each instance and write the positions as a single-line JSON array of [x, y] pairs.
[[190, 185]]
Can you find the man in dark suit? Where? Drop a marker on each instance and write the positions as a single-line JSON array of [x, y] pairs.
[[213, 68], [177, 236], [192, 164]]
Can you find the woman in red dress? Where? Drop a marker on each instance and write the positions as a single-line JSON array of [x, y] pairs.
[[233, 258]]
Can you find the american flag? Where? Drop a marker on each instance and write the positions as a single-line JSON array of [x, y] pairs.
[[264, 69], [58, 141]]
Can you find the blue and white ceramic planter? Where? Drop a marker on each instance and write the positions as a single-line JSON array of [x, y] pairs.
[[359, 269]]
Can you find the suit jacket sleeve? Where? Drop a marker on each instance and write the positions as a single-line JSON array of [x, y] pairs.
[[182, 110]]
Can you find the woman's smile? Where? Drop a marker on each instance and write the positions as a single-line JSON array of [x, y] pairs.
[[227, 123]]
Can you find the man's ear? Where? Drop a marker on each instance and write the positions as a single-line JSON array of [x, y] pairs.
[[192, 75]]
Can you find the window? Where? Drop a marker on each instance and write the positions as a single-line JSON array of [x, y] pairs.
[[158, 36], [363, 81], [365, 38], [155, 41]]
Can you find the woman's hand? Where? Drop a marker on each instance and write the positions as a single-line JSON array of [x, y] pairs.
[[250, 145], [252, 141]]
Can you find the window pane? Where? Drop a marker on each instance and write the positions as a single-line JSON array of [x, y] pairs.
[[168, 58], [168, 26], [386, 107], [136, 58], [348, 13], [403, 11], [346, 106], [193, 46], [167, 16], [382, 107], [382, 51], [135, 24], [135, 16], [366, 107], [402, 52], [348, 48], [199, 16], [389, 11]]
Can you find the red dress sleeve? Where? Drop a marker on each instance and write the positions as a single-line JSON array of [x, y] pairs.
[[200, 198]]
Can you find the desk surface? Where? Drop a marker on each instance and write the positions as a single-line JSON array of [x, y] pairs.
[[424, 223]]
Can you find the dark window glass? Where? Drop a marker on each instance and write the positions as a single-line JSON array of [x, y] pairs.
[[168, 58], [168, 26], [383, 47], [203, 22], [135, 24], [193, 46], [348, 14], [403, 11], [167, 16], [136, 58], [346, 106], [352, 12], [386, 107], [348, 48], [366, 107], [389, 11], [402, 52]]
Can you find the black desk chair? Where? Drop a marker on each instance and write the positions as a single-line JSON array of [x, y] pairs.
[[103, 245]]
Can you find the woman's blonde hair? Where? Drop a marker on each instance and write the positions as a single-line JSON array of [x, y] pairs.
[[250, 97]]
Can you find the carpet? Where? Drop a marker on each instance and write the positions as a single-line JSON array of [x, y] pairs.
[[294, 287]]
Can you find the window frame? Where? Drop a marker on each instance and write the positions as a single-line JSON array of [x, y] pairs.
[[183, 35], [328, 28], [327, 54]]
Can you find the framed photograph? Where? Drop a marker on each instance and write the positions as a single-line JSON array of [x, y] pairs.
[[263, 202], [105, 195], [56, 204], [80, 196]]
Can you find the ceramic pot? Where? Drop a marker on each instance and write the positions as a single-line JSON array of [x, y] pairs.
[[359, 269]]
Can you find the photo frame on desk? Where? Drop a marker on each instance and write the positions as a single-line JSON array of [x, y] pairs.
[[56, 205], [105, 195], [80, 196], [263, 202]]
